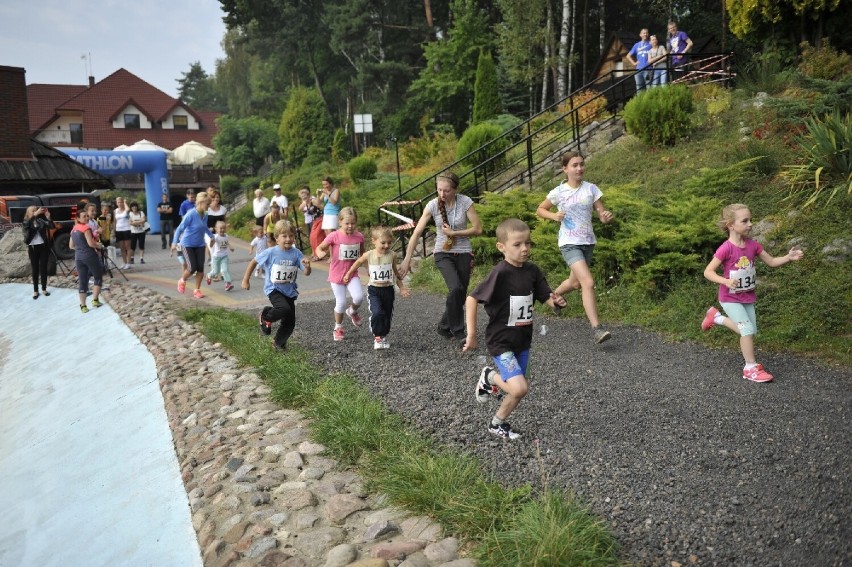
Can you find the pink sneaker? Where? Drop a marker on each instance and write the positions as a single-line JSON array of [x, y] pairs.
[[208, 280], [181, 285], [757, 374], [197, 294], [356, 319], [229, 286], [337, 334], [708, 319]]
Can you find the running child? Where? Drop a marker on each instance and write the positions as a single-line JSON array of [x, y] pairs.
[[219, 258], [281, 264], [574, 200], [508, 294], [258, 245], [343, 246], [736, 257], [381, 268]]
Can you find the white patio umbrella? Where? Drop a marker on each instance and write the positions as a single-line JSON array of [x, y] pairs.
[[193, 153], [144, 146]]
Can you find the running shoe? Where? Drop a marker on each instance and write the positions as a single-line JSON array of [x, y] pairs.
[[265, 326], [197, 294], [181, 285], [84, 309], [757, 374], [208, 280], [141, 260], [229, 286], [356, 319], [504, 431], [132, 260], [601, 335], [337, 334], [709, 318], [377, 344], [96, 303], [484, 387], [385, 343]]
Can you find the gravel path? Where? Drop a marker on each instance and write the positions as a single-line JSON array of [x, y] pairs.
[[686, 461]]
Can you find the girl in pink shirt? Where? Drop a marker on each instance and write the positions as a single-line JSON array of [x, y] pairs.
[[736, 256], [344, 245]]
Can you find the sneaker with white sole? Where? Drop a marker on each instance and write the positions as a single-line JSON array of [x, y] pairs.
[[353, 315], [377, 344], [337, 334], [709, 318], [757, 374], [181, 287], [485, 388], [385, 343], [504, 431], [601, 335]]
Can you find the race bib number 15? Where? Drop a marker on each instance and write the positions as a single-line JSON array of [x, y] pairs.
[[520, 310]]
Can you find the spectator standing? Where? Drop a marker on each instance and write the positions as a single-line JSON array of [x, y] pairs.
[[261, 207], [37, 225], [638, 57], [328, 198], [187, 205], [164, 208], [122, 231], [678, 43], [281, 200], [137, 232], [657, 61]]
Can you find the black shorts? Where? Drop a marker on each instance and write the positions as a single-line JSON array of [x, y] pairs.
[[259, 220], [122, 235], [194, 256]]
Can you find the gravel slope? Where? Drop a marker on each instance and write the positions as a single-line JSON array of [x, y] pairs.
[[684, 459]]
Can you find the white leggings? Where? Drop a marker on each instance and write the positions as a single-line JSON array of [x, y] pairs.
[[356, 292]]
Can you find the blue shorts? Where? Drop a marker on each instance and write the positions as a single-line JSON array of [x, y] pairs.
[[510, 364], [573, 253], [743, 315]]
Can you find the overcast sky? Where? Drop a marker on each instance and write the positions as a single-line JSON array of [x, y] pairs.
[[156, 40]]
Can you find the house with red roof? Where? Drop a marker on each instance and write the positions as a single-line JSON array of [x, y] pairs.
[[119, 110]]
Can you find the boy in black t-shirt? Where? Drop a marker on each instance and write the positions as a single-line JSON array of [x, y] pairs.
[[508, 294]]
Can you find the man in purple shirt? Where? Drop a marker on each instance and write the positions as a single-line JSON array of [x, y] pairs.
[[678, 43]]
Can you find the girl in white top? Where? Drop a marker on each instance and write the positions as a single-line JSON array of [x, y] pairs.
[[122, 230], [574, 200], [137, 232], [451, 213]]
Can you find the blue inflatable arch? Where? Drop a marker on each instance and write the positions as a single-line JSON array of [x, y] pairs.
[[152, 164]]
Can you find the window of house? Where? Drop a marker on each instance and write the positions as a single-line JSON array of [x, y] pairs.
[[180, 121], [76, 133], [132, 121]]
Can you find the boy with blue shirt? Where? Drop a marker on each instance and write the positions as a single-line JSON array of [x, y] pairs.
[[281, 264]]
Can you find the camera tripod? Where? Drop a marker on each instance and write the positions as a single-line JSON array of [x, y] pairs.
[[110, 265]]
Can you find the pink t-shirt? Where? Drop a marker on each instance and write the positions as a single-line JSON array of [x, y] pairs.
[[738, 264], [345, 249]]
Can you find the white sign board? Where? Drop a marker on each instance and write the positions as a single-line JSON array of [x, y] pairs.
[[363, 123]]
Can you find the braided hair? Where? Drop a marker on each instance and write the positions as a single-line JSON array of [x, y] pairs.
[[442, 207]]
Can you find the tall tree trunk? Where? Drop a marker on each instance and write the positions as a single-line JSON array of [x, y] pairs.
[[547, 57], [585, 43], [428, 6], [573, 42], [563, 50], [603, 26]]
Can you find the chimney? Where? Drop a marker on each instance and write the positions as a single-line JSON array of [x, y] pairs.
[[14, 115], [91, 81]]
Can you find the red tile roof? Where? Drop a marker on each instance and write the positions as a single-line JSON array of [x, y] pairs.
[[103, 101]]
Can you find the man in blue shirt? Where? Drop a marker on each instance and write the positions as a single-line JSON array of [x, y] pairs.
[[187, 205], [638, 57]]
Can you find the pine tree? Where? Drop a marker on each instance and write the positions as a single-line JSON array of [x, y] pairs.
[[486, 95]]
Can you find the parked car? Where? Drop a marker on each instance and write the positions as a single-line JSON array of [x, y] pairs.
[[63, 211]]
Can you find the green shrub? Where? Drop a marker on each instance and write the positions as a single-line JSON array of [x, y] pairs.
[[477, 136], [486, 92], [660, 116], [361, 168], [506, 121], [305, 130], [766, 72], [340, 146], [828, 158], [825, 63], [229, 185]]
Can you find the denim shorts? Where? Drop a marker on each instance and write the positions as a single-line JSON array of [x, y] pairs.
[[575, 252]]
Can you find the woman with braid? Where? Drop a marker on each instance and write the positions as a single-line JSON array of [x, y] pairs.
[[451, 213]]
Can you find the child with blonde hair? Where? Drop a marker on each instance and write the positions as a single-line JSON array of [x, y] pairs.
[[382, 268], [219, 259], [281, 264], [344, 246], [258, 245], [736, 256]]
